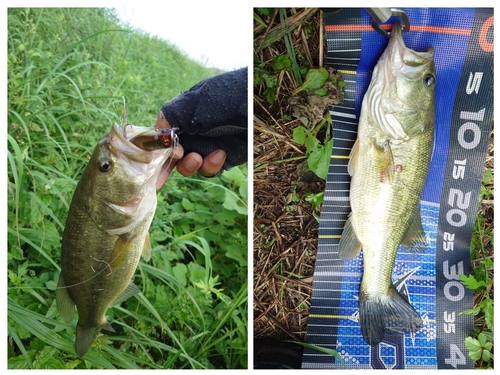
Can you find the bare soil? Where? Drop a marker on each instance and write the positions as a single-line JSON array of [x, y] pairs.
[[285, 227]]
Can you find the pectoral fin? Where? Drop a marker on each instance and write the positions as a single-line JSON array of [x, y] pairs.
[[120, 251], [384, 162], [353, 158], [415, 240], [64, 302], [349, 245], [146, 249]]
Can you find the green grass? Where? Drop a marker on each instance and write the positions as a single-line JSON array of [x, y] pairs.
[[68, 70]]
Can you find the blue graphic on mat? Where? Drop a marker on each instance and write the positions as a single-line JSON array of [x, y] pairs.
[[413, 276]]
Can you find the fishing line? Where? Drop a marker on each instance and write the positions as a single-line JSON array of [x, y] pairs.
[[174, 146], [84, 281], [165, 167]]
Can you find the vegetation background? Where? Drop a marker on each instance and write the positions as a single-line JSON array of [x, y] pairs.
[[68, 70]]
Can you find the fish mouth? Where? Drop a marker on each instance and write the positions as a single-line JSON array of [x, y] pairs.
[[387, 98], [141, 144], [150, 139], [143, 138], [410, 61]]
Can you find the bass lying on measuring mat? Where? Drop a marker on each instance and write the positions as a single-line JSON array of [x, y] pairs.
[[388, 165]]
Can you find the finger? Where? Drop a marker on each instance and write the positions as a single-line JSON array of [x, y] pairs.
[[212, 163], [161, 121], [189, 164]]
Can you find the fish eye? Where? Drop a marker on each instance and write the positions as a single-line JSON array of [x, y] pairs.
[[105, 165], [429, 80]]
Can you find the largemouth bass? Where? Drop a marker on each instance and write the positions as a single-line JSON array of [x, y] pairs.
[[389, 163], [107, 226]]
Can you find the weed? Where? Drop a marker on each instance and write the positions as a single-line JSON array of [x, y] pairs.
[[318, 155]]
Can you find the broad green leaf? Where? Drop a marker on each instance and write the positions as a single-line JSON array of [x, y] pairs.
[[233, 202], [180, 271], [188, 206], [196, 272], [304, 136], [471, 283], [315, 78], [472, 312], [486, 355], [319, 160], [270, 94], [238, 253], [17, 363], [320, 92], [489, 313], [299, 135], [481, 338], [281, 62]]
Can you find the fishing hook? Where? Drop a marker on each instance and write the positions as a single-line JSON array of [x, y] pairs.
[[381, 15]]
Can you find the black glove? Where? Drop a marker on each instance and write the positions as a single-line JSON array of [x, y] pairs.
[[213, 115]]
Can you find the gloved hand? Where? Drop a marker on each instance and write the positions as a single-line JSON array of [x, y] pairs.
[[189, 164], [212, 115]]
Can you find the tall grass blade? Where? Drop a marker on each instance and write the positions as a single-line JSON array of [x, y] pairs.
[[185, 355], [20, 345], [26, 235], [290, 49]]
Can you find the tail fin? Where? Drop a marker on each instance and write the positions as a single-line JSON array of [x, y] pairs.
[[390, 311], [85, 337]]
